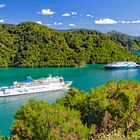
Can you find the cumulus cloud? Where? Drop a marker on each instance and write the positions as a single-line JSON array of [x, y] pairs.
[[123, 22], [2, 21], [66, 15], [2, 5], [136, 21], [58, 24], [89, 15], [74, 13], [69, 14], [46, 12], [130, 22], [106, 21], [39, 22], [112, 21], [72, 25]]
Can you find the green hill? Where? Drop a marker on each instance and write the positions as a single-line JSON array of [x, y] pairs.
[[31, 45], [131, 42]]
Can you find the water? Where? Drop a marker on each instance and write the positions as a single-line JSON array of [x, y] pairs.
[[137, 52], [83, 78]]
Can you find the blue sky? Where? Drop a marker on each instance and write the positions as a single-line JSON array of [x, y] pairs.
[[101, 15]]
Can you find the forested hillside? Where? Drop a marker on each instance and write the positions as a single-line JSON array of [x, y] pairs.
[[131, 42], [31, 45]]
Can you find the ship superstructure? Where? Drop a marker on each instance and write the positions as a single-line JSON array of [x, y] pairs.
[[35, 86], [124, 64]]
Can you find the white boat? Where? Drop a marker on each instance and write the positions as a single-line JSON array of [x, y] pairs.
[[124, 64], [35, 86]]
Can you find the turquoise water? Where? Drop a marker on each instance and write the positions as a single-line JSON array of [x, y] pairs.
[[137, 52], [83, 78]]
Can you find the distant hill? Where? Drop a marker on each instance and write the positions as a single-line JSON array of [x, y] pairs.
[[132, 42], [82, 31], [29, 44]]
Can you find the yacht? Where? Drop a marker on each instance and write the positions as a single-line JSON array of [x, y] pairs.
[[30, 86], [124, 64]]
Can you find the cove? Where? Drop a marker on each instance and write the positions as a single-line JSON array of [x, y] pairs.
[[84, 78]]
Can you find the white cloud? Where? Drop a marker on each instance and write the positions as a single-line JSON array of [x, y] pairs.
[[69, 14], [39, 22], [2, 21], [66, 15], [111, 21], [46, 12], [58, 24], [2, 5], [136, 21], [72, 25], [128, 22], [74, 13], [123, 22], [106, 21], [88, 15]]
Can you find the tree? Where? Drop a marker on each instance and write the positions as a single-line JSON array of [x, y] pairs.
[[42, 121]]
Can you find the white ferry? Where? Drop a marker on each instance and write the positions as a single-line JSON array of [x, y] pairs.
[[35, 86], [124, 64]]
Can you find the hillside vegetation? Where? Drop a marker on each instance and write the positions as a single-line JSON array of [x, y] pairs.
[[111, 111], [131, 42], [31, 45]]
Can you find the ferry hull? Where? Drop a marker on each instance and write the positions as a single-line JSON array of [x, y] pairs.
[[29, 93], [15, 101], [120, 67]]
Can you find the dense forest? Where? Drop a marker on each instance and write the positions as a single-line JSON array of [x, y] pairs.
[[108, 112], [29, 44], [131, 42]]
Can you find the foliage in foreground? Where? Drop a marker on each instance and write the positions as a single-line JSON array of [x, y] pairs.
[[111, 111], [42, 121], [108, 108]]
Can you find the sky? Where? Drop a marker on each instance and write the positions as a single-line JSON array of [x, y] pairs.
[[102, 15]]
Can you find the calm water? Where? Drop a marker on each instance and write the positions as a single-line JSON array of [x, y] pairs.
[[83, 78], [137, 52]]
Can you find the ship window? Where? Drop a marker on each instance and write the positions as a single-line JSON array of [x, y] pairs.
[[61, 80]]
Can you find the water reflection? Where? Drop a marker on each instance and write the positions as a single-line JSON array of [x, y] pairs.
[[9, 105], [118, 74]]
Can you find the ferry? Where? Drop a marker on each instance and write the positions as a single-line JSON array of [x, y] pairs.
[[124, 64], [30, 86]]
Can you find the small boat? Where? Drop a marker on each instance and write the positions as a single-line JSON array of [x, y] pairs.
[[124, 64], [30, 86]]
